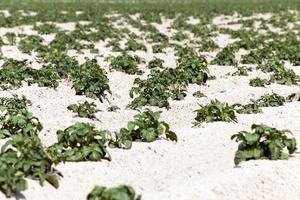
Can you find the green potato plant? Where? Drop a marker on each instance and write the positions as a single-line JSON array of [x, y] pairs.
[[215, 111], [264, 142], [225, 57], [81, 142], [85, 109], [126, 63], [155, 63], [122, 192], [251, 108], [259, 82], [271, 100], [24, 157], [89, 79], [146, 127]]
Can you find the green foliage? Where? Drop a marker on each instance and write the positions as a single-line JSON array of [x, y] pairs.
[[225, 57], [155, 63], [259, 82], [132, 45], [113, 108], [122, 192], [30, 43], [271, 100], [16, 120], [215, 111], [24, 157], [198, 94], [126, 63], [45, 77], [89, 79], [158, 88], [11, 38], [207, 44], [263, 143], [80, 142], [250, 108], [179, 36], [272, 65], [84, 109], [170, 83], [13, 72], [241, 71], [46, 28], [146, 127], [281, 75], [13, 104], [159, 48], [285, 77]]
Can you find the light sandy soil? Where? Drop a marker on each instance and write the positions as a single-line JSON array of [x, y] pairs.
[[198, 167]]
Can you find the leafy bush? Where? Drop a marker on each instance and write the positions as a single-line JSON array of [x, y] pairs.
[[241, 71], [45, 77], [80, 142], [13, 72], [159, 48], [179, 36], [24, 157], [272, 65], [225, 57], [170, 83], [215, 111], [155, 63], [263, 143], [285, 77], [46, 28], [146, 127], [259, 82], [156, 90], [84, 109], [16, 120], [126, 63], [271, 100], [250, 108], [122, 192], [13, 104], [89, 79], [11, 38], [132, 45], [30, 43]]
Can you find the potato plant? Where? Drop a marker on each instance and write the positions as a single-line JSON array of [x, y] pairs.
[[90, 80], [81, 142], [146, 127], [225, 57], [85, 109], [259, 82], [122, 192], [270, 100], [155, 63], [264, 142], [126, 63], [170, 83], [215, 111], [25, 157], [251, 108], [16, 120]]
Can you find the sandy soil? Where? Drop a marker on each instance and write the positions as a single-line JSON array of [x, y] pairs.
[[199, 166]]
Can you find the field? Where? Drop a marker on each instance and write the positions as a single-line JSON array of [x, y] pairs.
[[152, 100]]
